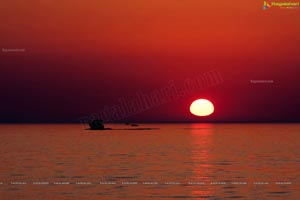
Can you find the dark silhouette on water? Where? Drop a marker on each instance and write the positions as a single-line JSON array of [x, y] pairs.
[[96, 124], [127, 123]]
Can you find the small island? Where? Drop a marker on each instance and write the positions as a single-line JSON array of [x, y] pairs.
[[97, 124]]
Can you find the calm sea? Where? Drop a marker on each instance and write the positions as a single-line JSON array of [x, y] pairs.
[[170, 161]]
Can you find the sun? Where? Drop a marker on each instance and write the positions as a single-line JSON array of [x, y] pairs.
[[202, 107]]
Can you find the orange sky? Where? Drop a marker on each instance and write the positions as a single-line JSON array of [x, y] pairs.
[[164, 26], [77, 50]]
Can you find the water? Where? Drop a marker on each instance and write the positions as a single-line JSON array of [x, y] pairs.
[[176, 161]]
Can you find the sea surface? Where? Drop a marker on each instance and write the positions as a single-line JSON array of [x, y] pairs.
[[150, 161]]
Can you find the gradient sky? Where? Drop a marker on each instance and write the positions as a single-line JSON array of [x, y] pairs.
[[83, 55]]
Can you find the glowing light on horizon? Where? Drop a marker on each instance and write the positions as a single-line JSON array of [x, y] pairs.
[[202, 107]]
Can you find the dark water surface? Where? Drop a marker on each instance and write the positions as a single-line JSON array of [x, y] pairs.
[[173, 161]]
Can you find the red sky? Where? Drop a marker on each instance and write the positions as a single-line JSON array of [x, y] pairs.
[[81, 56]]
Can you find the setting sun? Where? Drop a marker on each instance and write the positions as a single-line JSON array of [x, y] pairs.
[[202, 107]]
